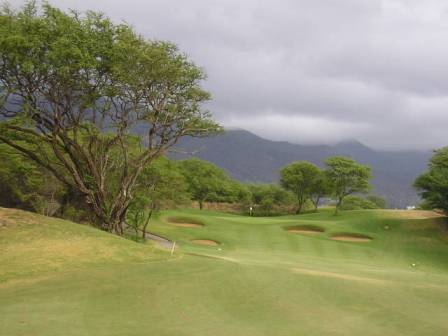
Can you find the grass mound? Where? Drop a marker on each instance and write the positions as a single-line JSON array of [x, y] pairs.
[[351, 237], [305, 229], [185, 222], [207, 242], [33, 244]]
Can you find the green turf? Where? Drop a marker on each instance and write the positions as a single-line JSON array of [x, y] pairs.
[[59, 278]]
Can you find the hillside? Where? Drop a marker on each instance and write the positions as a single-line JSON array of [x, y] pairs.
[[250, 158], [361, 273]]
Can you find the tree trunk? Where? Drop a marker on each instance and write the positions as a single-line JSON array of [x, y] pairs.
[[336, 211], [201, 205], [316, 203], [299, 210], [148, 219]]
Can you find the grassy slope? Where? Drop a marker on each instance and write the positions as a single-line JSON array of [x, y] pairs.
[[263, 281]]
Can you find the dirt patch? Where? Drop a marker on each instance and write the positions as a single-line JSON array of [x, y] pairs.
[[351, 237], [206, 242], [185, 222], [305, 229], [412, 214]]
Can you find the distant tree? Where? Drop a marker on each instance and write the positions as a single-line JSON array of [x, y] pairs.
[[268, 198], [433, 184], [160, 185], [299, 177], [346, 177], [77, 85], [378, 201], [207, 182], [320, 188], [352, 202]]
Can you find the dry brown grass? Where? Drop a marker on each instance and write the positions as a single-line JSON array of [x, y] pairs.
[[411, 214]]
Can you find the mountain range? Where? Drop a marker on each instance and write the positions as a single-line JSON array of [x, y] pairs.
[[250, 158]]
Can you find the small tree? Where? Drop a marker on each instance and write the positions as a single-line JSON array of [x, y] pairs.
[[206, 181], [76, 85], [433, 184], [270, 199], [160, 185], [378, 201], [320, 188], [299, 177], [346, 177]]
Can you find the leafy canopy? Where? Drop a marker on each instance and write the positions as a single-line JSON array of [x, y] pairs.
[[300, 177], [77, 85], [346, 177], [433, 184]]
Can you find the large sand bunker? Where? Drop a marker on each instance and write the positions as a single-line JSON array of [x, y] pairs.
[[305, 229], [351, 237], [206, 242], [185, 222]]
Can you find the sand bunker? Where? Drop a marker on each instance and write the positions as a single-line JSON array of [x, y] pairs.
[[351, 237], [305, 229], [207, 242], [185, 222]]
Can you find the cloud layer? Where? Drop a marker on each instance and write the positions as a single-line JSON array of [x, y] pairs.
[[311, 71]]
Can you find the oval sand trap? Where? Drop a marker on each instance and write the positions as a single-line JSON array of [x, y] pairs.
[[207, 242], [305, 229], [351, 237], [185, 222]]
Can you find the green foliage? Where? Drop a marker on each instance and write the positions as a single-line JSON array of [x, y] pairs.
[[353, 202], [321, 187], [24, 185], [208, 183], [346, 177], [433, 184], [300, 177], [270, 199], [75, 85], [378, 201], [161, 185]]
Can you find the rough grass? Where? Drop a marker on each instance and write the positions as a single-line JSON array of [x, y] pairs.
[[33, 245], [260, 280]]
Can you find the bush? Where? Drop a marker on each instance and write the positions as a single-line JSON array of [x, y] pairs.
[[357, 203]]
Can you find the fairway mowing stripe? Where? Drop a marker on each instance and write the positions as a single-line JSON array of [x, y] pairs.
[[214, 257], [340, 276]]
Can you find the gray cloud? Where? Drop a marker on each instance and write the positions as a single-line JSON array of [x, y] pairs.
[[311, 71]]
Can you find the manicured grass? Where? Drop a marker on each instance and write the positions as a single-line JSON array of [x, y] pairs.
[[59, 278]]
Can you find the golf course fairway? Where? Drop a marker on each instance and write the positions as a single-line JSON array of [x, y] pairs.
[[367, 272]]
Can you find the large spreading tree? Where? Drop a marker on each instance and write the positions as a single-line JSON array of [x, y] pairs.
[[72, 89], [346, 177]]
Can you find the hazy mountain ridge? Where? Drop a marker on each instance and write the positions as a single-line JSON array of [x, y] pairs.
[[250, 158]]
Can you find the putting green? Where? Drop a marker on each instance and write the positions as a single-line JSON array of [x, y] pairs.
[[59, 278]]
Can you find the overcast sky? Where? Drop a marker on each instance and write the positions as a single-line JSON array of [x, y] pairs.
[[311, 71]]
